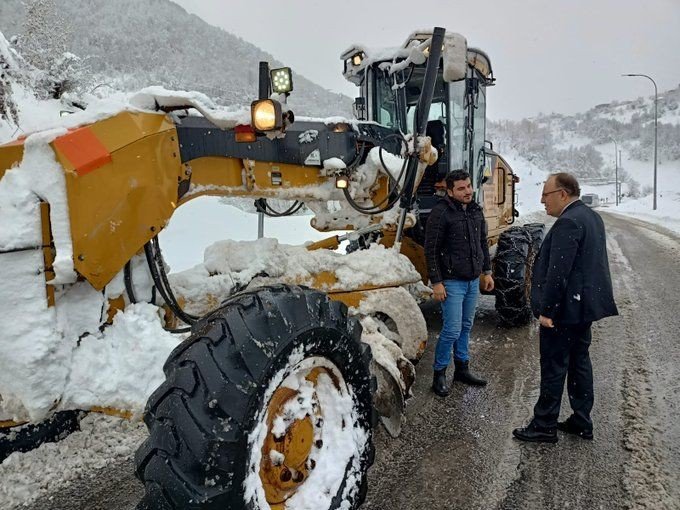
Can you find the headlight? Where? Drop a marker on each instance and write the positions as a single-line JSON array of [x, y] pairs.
[[282, 80], [266, 115], [357, 59]]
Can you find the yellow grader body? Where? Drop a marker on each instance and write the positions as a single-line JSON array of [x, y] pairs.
[[278, 351]]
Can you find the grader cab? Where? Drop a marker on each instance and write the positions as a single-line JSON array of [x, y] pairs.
[[282, 358]]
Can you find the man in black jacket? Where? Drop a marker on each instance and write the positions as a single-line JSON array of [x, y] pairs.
[[571, 288], [457, 254]]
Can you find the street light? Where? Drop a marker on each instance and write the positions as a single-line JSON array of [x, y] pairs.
[[616, 166], [656, 95]]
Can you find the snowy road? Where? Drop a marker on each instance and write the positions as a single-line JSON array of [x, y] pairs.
[[458, 452]]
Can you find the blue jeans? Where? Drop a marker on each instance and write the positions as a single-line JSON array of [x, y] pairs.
[[458, 314]]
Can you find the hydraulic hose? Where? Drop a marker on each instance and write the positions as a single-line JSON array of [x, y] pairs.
[[160, 280]]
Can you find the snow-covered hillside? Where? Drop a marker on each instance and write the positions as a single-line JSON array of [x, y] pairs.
[[586, 144], [129, 45], [533, 175]]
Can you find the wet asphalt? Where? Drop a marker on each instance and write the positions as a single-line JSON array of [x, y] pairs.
[[458, 452]]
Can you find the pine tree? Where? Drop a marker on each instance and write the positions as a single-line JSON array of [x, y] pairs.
[[43, 44], [8, 109]]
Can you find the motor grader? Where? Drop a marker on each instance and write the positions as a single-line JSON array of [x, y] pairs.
[[279, 375]]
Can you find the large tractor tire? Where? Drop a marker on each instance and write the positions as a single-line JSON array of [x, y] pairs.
[[267, 405], [515, 254]]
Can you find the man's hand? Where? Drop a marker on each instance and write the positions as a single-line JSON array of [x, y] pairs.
[[439, 292], [486, 282], [546, 322]]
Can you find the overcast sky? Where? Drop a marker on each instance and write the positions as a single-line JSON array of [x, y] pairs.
[[548, 55]]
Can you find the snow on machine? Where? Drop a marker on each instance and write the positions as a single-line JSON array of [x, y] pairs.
[[277, 361]]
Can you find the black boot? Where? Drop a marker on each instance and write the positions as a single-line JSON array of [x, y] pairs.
[[439, 383], [464, 375]]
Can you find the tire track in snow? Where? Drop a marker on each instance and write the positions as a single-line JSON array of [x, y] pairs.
[[645, 481]]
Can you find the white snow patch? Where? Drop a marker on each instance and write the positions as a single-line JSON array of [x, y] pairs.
[[101, 442], [222, 117], [122, 366], [308, 136], [38, 177], [236, 264], [334, 164]]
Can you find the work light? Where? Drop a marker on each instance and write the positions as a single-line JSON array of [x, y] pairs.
[[266, 115], [282, 80], [342, 182]]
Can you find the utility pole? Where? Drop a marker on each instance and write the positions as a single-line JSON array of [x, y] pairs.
[[656, 98], [617, 178], [616, 169]]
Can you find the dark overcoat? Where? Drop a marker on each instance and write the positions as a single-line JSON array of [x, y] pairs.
[[456, 246], [571, 283]]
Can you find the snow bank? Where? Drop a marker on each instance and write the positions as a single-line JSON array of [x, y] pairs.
[[102, 441], [121, 367], [56, 358], [29, 340]]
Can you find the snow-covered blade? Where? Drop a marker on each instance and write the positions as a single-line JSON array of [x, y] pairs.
[[231, 266]]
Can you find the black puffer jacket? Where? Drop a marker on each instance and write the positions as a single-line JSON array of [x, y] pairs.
[[455, 241]]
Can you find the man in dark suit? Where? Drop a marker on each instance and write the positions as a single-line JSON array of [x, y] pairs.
[[571, 288]]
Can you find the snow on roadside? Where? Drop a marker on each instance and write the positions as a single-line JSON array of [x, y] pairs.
[[101, 442], [667, 214]]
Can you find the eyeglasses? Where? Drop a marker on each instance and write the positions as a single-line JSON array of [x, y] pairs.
[[550, 192]]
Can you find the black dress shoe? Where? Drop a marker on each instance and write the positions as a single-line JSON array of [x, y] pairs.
[[535, 435], [568, 427]]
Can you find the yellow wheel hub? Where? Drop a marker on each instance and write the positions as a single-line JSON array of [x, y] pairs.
[[286, 458]]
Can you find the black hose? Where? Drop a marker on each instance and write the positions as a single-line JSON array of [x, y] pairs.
[[128, 283], [158, 257], [377, 208], [262, 206], [27, 248], [160, 280], [164, 278]]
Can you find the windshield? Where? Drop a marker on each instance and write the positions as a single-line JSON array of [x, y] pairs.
[[386, 100], [458, 121]]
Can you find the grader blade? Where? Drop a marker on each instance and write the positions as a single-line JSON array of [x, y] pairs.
[[394, 374], [399, 319], [388, 399]]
